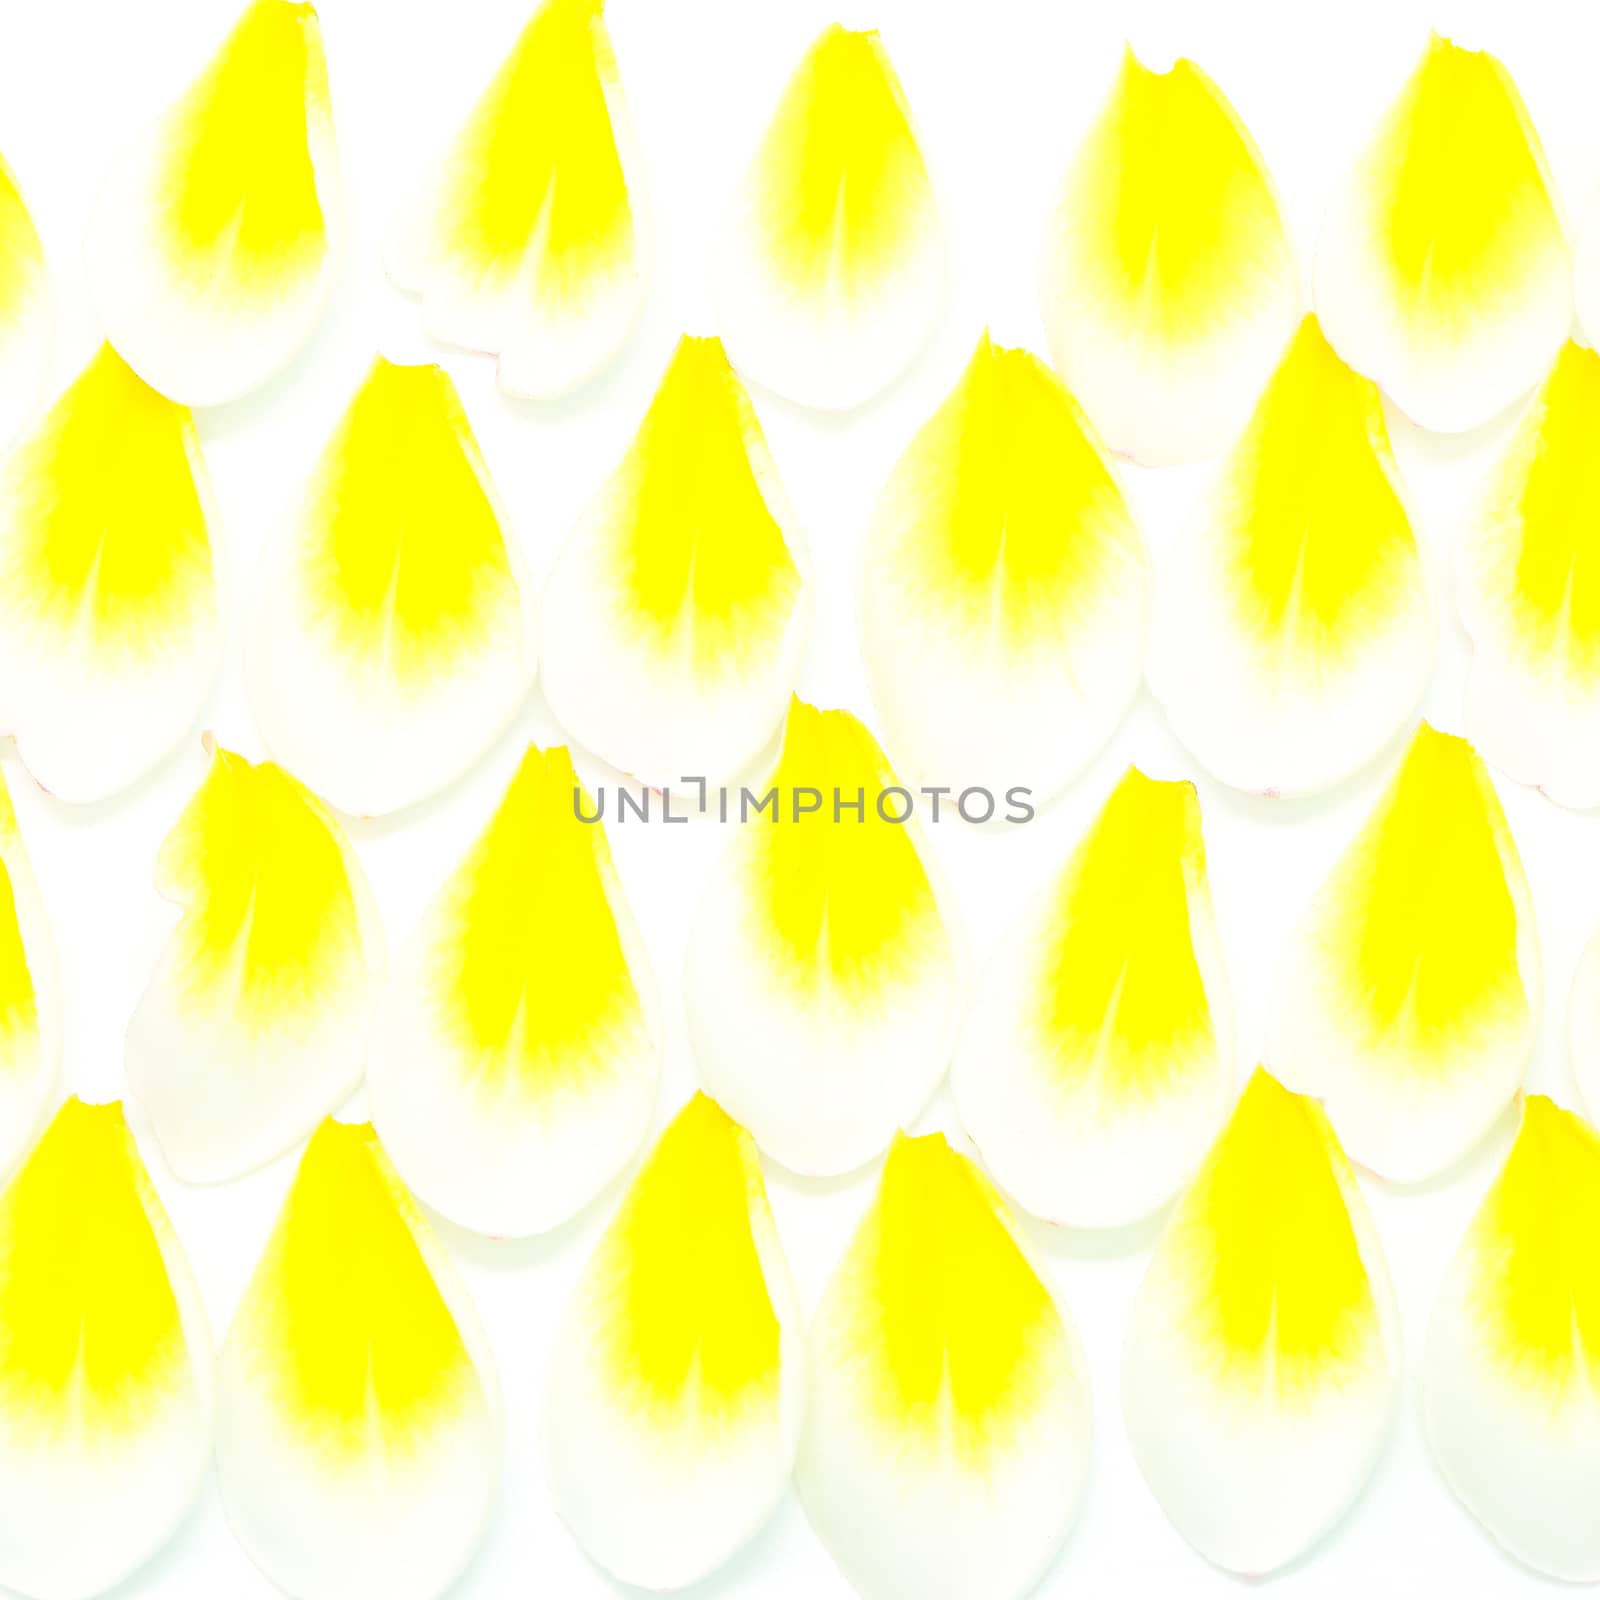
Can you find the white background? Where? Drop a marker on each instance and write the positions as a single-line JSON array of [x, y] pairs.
[[1001, 89]]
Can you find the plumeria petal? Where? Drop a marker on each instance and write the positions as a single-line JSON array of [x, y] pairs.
[[948, 1423], [212, 249], [27, 315], [358, 1412], [526, 242], [1293, 636], [108, 605], [1095, 1064], [833, 265], [516, 1061], [1512, 1367], [1005, 589], [254, 1024], [393, 635], [1529, 591], [1442, 272], [30, 998], [1261, 1360], [105, 1364], [1583, 1025], [822, 978], [678, 609], [676, 1385], [1409, 995], [1168, 285]]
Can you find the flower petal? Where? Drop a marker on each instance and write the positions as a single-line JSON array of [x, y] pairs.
[[1442, 273], [525, 241], [948, 1428], [1095, 1064], [105, 1363], [27, 315], [516, 1061], [1583, 1024], [254, 1024], [1513, 1354], [1408, 998], [833, 263], [1529, 591], [30, 998], [393, 639], [1168, 286], [1005, 589], [358, 1412], [676, 1385], [1262, 1356], [822, 980], [678, 609], [211, 251], [108, 605], [1293, 637]]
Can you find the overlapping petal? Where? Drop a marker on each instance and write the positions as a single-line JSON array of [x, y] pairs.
[[30, 997]]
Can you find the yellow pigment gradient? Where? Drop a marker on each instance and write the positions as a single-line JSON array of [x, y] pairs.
[[1459, 194], [841, 192], [21, 255], [404, 563], [702, 572], [1544, 524], [686, 1329], [91, 1339], [241, 218], [528, 971], [1317, 543], [536, 172], [1170, 211], [948, 1330], [19, 1005], [1011, 523], [259, 865], [1419, 933], [842, 906], [1535, 1292], [1123, 1008], [1263, 1254], [107, 545], [343, 1321]]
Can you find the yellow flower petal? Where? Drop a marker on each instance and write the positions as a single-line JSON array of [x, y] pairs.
[[27, 317], [358, 1413], [108, 605], [393, 636], [1529, 592], [821, 980], [677, 611], [518, 1051], [30, 997], [1168, 285], [212, 250], [676, 1387], [1260, 1367], [1409, 994], [1096, 1059], [832, 269], [1005, 587], [1293, 635], [254, 1023], [1442, 272], [105, 1363], [525, 242], [1513, 1353], [948, 1423]]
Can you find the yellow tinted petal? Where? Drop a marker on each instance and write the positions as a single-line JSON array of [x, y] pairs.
[[1168, 284], [27, 318], [527, 244], [1442, 272], [1005, 586], [1295, 637]]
